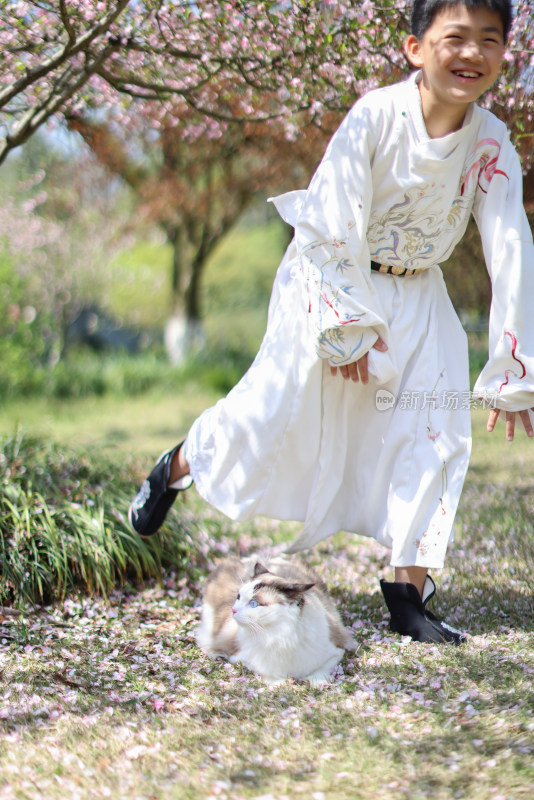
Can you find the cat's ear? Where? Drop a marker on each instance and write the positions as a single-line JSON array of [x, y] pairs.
[[259, 569], [293, 589]]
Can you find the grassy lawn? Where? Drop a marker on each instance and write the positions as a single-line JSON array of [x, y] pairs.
[[114, 699], [144, 425], [140, 426]]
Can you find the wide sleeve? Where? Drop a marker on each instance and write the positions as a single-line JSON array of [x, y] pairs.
[[330, 233], [507, 380]]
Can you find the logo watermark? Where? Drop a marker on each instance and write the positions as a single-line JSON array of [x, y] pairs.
[[447, 400], [385, 400]]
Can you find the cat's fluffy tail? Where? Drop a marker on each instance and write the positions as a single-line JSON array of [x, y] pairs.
[[223, 642]]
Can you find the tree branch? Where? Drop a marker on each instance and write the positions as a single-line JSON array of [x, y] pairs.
[[145, 90], [71, 33], [70, 49], [36, 116]]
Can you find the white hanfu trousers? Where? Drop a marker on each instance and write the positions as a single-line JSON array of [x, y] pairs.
[[386, 459]]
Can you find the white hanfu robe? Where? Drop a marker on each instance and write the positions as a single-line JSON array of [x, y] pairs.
[[387, 459]]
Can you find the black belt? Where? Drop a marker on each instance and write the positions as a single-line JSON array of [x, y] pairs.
[[389, 270]]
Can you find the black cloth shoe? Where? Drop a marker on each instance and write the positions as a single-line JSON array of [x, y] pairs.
[[152, 502], [409, 615]]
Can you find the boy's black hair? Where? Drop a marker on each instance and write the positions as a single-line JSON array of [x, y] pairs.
[[424, 11]]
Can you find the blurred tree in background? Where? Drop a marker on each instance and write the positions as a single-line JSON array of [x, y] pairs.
[[197, 189], [61, 218]]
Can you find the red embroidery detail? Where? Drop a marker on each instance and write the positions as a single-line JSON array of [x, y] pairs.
[[484, 167], [509, 371], [341, 321]]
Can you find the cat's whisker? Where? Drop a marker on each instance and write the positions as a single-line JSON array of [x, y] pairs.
[[254, 628]]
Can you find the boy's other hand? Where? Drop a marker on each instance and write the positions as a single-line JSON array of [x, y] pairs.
[[510, 422], [358, 370]]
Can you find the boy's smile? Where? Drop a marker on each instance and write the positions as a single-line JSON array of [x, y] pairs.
[[460, 57]]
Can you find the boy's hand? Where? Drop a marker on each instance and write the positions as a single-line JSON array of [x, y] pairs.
[[510, 422], [357, 370]]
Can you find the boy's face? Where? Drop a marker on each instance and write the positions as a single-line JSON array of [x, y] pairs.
[[460, 54]]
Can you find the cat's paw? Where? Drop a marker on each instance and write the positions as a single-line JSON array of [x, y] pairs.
[[270, 681], [352, 644], [319, 680]]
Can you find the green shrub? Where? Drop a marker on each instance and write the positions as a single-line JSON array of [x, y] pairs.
[[64, 528]]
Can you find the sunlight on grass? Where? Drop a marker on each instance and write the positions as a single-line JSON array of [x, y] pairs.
[[142, 426], [148, 423]]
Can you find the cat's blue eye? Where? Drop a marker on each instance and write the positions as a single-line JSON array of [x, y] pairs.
[[238, 596], [253, 603]]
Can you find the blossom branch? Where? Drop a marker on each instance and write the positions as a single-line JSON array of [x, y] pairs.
[[56, 100], [71, 49]]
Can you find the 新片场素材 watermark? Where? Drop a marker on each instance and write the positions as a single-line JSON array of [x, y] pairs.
[[419, 400]]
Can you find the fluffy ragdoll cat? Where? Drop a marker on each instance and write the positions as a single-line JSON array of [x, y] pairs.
[[277, 620]]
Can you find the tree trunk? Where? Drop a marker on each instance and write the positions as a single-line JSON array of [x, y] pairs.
[[184, 332]]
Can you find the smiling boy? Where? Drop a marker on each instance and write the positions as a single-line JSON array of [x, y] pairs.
[[360, 295], [460, 56]]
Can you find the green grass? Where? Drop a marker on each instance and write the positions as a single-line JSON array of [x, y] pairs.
[[114, 699], [496, 461], [64, 529], [132, 428]]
